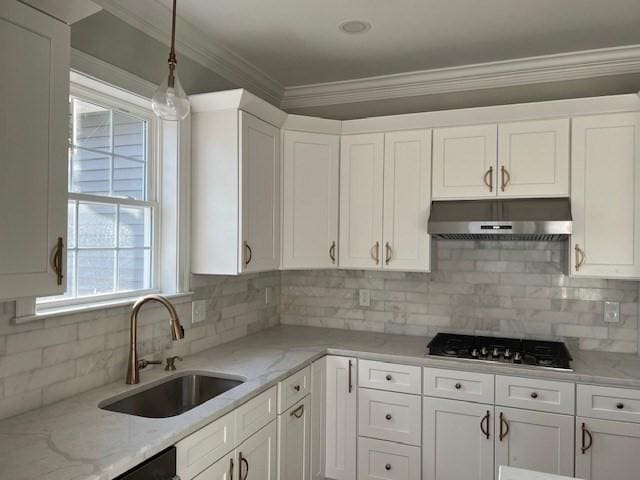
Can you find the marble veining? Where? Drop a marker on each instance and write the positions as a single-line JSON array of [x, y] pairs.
[[75, 440]]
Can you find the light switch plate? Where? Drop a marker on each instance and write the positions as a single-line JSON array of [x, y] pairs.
[[198, 311], [612, 312], [365, 297]]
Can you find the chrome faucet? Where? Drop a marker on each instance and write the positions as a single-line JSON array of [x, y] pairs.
[[177, 331]]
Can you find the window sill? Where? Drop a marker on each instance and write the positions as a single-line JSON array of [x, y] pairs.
[[53, 312]]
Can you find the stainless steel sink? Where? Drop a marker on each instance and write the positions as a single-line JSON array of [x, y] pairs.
[[171, 397]]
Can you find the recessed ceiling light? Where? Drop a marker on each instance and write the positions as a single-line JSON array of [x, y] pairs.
[[354, 27]]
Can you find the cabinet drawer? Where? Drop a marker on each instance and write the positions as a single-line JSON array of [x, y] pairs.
[[471, 386], [534, 394], [389, 416], [202, 448], [609, 403], [292, 389], [255, 414], [389, 376], [379, 460]]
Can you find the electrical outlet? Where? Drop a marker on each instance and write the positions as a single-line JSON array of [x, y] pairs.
[[267, 295], [365, 297], [198, 311], [612, 312]]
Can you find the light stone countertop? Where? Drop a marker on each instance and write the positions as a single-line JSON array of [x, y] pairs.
[[75, 440]]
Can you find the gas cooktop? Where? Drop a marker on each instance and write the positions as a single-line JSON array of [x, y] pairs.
[[536, 353]]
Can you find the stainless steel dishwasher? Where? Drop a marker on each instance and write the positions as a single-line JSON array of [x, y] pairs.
[[159, 467]]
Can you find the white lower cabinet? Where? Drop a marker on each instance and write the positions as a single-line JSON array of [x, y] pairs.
[[341, 416], [294, 436], [532, 440], [257, 455], [318, 417], [607, 450], [457, 440], [389, 416], [223, 469], [380, 460]]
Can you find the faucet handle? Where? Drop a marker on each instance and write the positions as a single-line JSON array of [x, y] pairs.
[[171, 363], [143, 363]]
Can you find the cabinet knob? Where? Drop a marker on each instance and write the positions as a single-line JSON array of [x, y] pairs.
[[296, 388], [620, 406], [534, 395], [387, 466], [458, 386], [388, 377], [388, 416]]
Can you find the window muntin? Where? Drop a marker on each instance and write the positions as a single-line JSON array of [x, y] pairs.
[[112, 210]]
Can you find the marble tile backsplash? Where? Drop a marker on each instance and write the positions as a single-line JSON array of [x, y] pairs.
[[496, 288], [47, 360]]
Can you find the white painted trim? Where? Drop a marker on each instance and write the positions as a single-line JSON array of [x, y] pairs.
[[239, 99], [506, 73], [302, 123], [154, 19]]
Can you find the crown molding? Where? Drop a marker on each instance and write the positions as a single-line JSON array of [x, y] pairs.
[[152, 18], [524, 71]]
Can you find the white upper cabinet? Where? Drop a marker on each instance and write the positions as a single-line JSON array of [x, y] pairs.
[[34, 143], [407, 197], [605, 196], [533, 158], [361, 173], [464, 162], [235, 212], [260, 194], [310, 189]]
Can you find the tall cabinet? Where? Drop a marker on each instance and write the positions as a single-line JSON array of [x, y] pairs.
[[33, 142], [385, 193], [605, 196]]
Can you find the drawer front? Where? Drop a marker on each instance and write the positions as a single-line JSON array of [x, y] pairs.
[[389, 416], [380, 460], [471, 386], [534, 394], [609, 403], [293, 389], [389, 376], [202, 448], [255, 414]]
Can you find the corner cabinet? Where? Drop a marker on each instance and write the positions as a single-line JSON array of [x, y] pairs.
[[385, 194], [34, 145], [605, 196], [235, 220], [310, 178]]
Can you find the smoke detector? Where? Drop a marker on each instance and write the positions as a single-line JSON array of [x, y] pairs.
[[354, 27]]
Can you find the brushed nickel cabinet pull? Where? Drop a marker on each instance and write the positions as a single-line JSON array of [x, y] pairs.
[[375, 252], [246, 463], [534, 395], [586, 433], [296, 388], [231, 468], [388, 253], [490, 182], [57, 261], [458, 386], [620, 406], [506, 178], [388, 377], [485, 421], [298, 412], [248, 254], [579, 257], [388, 416], [332, 252], [387, 466], [350, 379], [504, 426]]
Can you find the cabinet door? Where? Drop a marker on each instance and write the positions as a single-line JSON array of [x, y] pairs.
[[361, 169], [260, 154], [464, 162], [310, 189], [223, 469], [341, 418], [613, 449], [605, 197], [318, 417], [533, 158], [294, 428], [454, 444], [256, 457], [34, 143], [407, 197], [534, 440]]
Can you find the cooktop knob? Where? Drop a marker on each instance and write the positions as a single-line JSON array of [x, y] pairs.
[[474, 353], [507, 354], [517, 357], [495, 353], [484, 352]]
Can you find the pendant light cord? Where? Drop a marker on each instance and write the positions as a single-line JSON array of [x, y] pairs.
[[172, 54]]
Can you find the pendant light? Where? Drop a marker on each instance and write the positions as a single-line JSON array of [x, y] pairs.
[[170, 102]]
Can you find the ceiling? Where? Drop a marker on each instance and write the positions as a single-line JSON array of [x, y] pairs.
[[297, 42]]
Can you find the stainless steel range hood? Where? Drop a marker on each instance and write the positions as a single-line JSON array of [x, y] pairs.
[[513, 219]]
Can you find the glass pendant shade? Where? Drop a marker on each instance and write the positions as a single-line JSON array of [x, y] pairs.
[[170, 102]]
